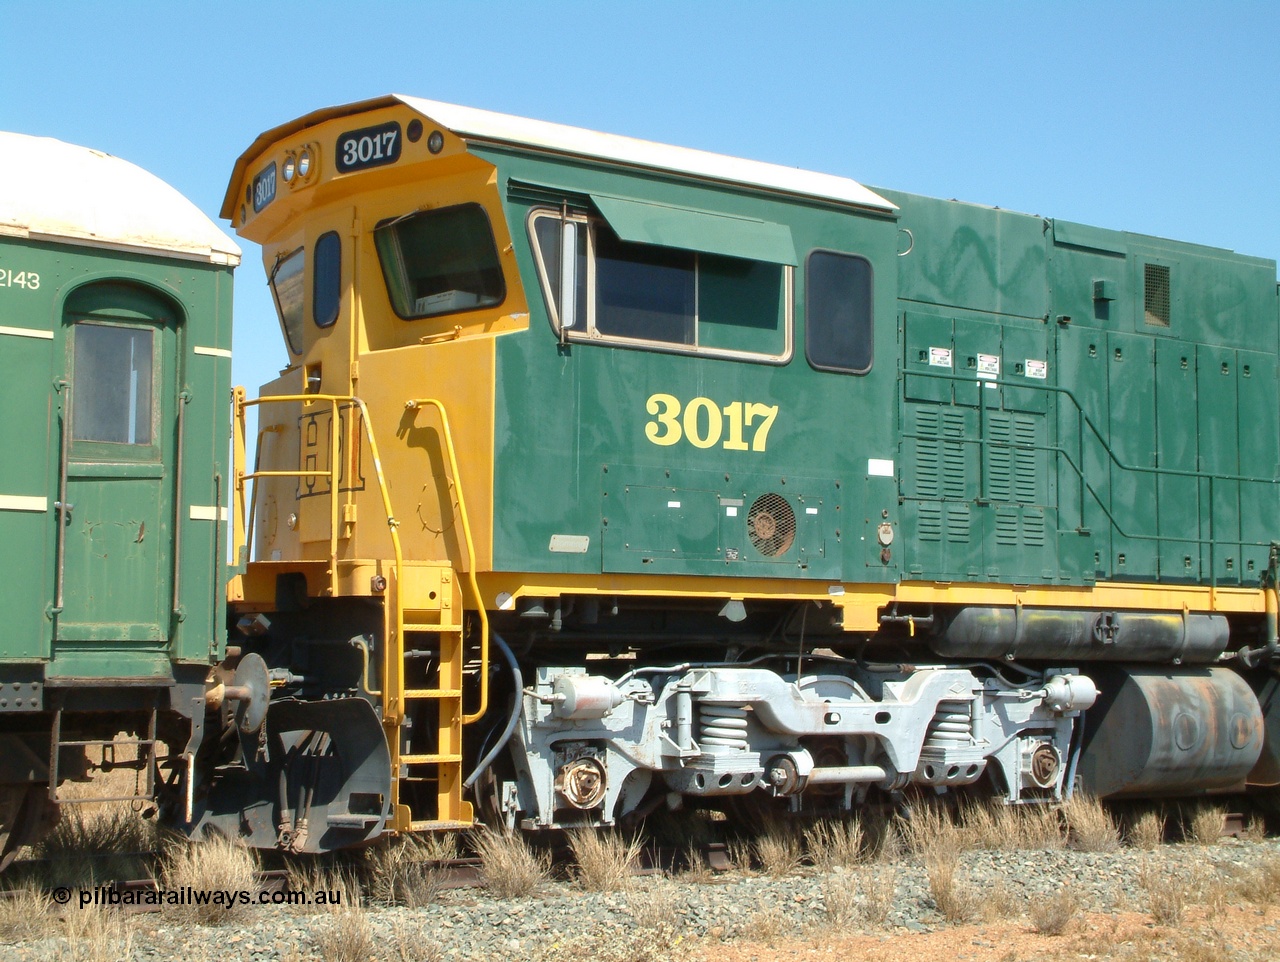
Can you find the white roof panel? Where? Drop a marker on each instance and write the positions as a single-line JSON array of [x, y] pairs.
[[59, 191], [485, 125]]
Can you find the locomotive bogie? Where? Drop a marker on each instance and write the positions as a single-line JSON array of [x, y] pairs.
[[715, 731]]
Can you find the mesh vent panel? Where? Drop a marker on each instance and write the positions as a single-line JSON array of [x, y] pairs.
[[771, 525], [1155, 294]]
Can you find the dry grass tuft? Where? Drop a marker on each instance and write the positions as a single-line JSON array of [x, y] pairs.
[[316, 875], [216, 864], [998, 826], [929, 829], [1205, 825], [835, 844], [778, 849], [438, 846], [767, 925], [510, 869], [955, 899], [840, 899], [1147, 830], [98, 843], [1261, 884], [96, 933], [1000, 902], [888, 842], [1215, 893], [1166, 894], [1089, 826], [403, 871], [413, 944], [880, 888], [741, 855], [605, 862], [347, 937], [654, 906], [1037, 827], [695, 868], [609, 944], [26, 913], [1051, 916]]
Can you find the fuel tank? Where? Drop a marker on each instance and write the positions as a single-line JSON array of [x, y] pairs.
[[1177, 731], [1083, 636]]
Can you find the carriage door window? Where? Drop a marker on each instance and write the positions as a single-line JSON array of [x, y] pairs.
[[113, 369]]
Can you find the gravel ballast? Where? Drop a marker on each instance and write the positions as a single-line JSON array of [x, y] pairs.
[[654, 916]]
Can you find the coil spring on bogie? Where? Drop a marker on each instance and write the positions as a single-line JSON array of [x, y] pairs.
[[952, 724], [723, 726]]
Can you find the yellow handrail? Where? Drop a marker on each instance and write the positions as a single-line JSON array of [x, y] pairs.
[[390, 712], [413, 405]]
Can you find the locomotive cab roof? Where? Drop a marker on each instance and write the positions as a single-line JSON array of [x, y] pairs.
[[488, 127], [58, 191]]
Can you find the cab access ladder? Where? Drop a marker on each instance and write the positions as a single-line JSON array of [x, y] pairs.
[[419, 616]]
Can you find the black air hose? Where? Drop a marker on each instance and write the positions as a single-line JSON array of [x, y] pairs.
[[517, 699]]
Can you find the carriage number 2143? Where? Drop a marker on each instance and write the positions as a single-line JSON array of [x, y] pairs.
[[743, 425]]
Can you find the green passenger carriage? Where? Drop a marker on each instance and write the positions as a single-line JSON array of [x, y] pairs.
[[115, 347]]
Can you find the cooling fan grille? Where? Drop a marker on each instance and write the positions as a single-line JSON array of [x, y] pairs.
[[771, 524]]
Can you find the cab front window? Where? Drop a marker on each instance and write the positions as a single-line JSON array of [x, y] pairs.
[[286, 288], [440, 262]]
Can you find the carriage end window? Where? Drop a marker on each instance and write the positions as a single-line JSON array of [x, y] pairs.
[[440, 262]]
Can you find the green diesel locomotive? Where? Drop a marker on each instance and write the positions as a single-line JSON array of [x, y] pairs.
[[605, 475]]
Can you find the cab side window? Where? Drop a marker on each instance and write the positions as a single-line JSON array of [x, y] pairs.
[[838, 330]]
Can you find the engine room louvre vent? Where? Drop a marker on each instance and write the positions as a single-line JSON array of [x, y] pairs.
[[1155, 297], [771, 525]]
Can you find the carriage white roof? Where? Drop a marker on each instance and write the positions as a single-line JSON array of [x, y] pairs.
[[485, 125], [58, 191]]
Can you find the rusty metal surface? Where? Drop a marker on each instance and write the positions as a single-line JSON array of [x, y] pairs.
[[1170, 731]]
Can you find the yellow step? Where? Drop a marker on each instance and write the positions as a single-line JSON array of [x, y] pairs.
[[437, 693], [445, 629], [438, 824], [430, 759]]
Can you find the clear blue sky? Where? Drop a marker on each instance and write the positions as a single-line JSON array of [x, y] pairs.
[[1162, 118]]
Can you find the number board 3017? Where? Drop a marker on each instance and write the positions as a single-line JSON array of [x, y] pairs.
[[368, 147]]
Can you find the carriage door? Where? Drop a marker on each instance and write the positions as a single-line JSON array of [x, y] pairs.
[[117, 555]]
